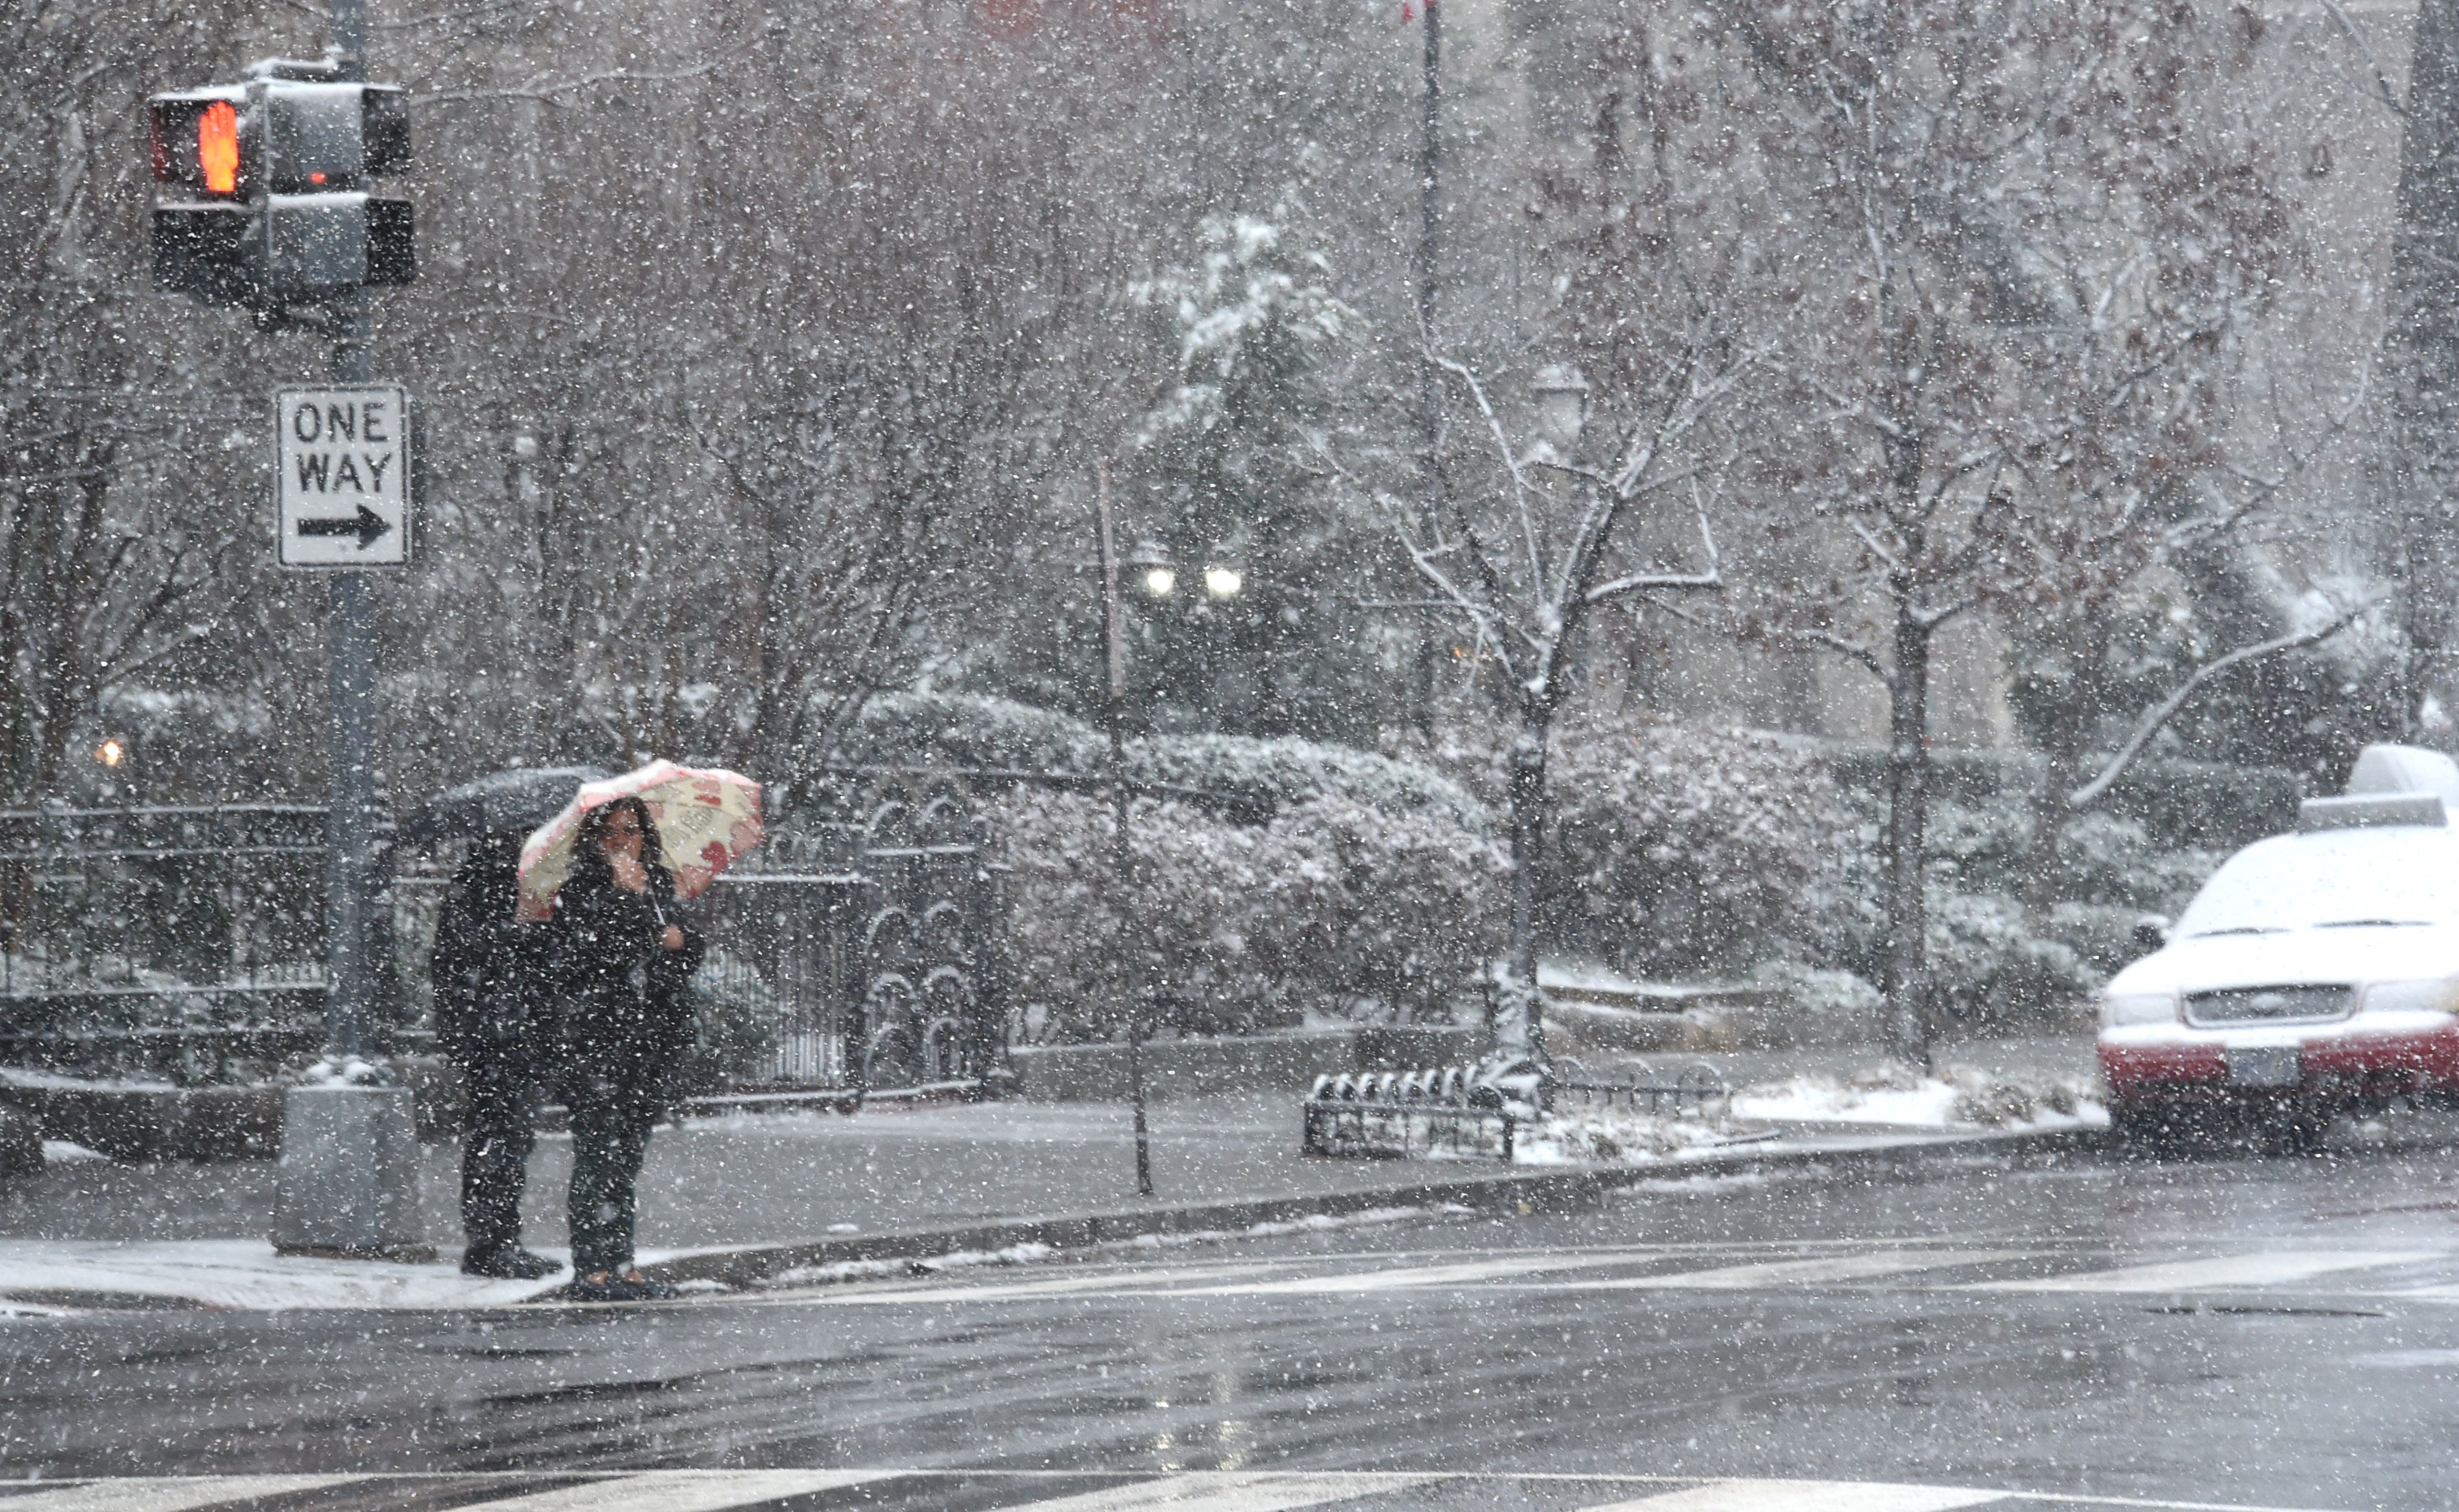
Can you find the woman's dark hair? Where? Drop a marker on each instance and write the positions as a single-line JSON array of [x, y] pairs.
[[589, 852]]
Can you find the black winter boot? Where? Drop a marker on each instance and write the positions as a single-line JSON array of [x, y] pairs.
[[510, 1263]]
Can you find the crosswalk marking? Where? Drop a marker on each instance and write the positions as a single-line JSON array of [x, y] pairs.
[[1806, 1496], [1222, 1492], [1027, 1491], [167, 1493], [1800, 1273], [2269, 1268], [676, 1491]]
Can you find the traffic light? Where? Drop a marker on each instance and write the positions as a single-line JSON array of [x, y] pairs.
[[267, 201]]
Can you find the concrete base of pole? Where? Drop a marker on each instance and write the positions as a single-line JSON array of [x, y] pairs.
[[350, 1175]]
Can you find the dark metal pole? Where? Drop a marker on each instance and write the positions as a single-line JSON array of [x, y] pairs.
[[1430, 416], [350, 690], [1122, 858], [350, 1153], [1429, 179]]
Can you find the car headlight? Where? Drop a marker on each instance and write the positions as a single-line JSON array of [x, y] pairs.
[[2138, 1008], [2431, 994]]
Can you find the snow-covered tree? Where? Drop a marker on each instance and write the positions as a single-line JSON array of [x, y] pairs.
[[1522, 560], [1218, 480], [2025, 242], [111, 563]]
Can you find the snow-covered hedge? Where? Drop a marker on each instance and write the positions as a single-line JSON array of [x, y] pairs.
[[1424, 903], [1232, 926], [2116, 861], [1237, 928], [1988, 962], [958, 730], [1688, 849], [1288, 771], [1255, 775]]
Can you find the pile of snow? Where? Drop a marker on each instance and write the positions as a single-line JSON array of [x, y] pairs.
[[1614, 1139], [1028, 1253], [1311, 1223], [1957, 1098], [344, 1071]]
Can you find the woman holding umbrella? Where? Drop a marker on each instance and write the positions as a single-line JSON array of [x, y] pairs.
[[622, 956], [605, 873]]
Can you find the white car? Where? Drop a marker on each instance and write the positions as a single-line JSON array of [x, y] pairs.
[[2314, 973]]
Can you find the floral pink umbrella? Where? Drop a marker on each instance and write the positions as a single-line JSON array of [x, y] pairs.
[[706, 819]]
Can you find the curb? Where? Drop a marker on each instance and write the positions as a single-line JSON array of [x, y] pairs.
[[1516, 1190]]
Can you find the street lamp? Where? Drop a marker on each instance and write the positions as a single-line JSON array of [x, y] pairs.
[[1223, 582], [1561, 392], [1158, 573], [110, 752]]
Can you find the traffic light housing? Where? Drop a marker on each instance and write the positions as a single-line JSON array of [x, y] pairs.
[[265, 202]]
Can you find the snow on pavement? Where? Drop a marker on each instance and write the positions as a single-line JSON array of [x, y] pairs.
[[238, 1273]]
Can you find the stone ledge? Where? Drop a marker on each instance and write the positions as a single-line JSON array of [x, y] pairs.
[[155, 1123]]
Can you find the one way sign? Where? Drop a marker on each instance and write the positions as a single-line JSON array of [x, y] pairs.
[[344, 457]]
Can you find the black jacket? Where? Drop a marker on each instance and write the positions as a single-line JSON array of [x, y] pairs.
[[488, 968], [621, 1000]]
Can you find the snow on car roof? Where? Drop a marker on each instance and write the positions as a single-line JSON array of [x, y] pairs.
[[2336, 878]]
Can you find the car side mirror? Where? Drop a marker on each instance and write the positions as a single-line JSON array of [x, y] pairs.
[[2152, 933]]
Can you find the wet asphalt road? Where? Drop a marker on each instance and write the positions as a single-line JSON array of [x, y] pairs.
[[2275, 1333]]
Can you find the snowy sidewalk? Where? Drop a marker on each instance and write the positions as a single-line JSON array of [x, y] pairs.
[[896, 1181]]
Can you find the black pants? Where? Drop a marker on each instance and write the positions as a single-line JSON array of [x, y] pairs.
[[610, 1139], [496, 1134]]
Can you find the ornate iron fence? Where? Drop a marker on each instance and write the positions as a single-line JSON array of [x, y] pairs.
[[861, 949], [162, 942], [868, 936]]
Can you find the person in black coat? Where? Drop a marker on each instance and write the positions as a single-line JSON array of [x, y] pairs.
[[490, 1024], [622, 958]]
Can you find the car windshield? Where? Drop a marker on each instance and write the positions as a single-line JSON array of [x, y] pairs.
[[2340, 879]]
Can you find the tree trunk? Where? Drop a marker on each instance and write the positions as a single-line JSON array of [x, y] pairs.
[[1907, 976], [2045, 857], [2067, 733], [1519, 1027]]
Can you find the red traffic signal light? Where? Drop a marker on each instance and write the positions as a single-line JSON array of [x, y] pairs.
[[269, 204], [218, 148], [196, 140]]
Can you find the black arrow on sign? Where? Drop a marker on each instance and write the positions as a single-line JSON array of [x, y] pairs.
[[369, 526]]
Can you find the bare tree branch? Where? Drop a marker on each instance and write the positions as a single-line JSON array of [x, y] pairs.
[[2156, 718]]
